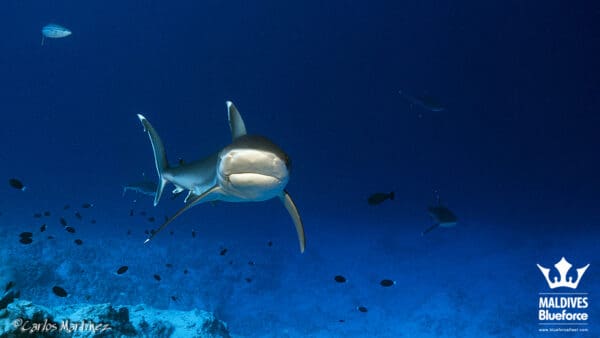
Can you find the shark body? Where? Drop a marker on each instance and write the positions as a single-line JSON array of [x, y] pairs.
[[250, 169]]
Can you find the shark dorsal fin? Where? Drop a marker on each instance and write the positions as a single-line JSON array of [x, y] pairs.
[[238, 128]]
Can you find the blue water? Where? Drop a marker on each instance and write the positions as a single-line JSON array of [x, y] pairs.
[[514, 155]]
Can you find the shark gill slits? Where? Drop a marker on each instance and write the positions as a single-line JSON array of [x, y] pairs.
[[60, 292], [157, 277], [70, 229], [78, 241], [387, 283], [340, 279], [63, 222], [87, 205], [122, 270], [223, 252], [362, 309], [43, 227], [17, 184]]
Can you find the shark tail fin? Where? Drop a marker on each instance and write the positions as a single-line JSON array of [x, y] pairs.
[[160, 156]]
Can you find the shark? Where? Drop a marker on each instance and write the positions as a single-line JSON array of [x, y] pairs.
[[250, 169], [441, 215]]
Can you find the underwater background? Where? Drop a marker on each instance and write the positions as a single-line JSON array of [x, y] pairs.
[[513, 153]]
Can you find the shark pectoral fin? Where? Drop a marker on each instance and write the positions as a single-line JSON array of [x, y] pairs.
[[196, 200], [236, 123], [291, 208], [430, 228]]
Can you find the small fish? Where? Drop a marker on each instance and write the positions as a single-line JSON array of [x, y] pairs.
[[37, 215], [70, 229], [151, 219], [50, 237], [340, 279], [185, 272], [425, 102], [60, 292], [251, 263], [78, 215], [87, 205], [157, 277], [270, 243], [223, 252], [54, 31], [169, 265], [47, 213], [17, 184], [43, 227], [362, 309], [26, 240], [387, 282], [248, 279], [63, 222], [9, 285], [380, 197], [78, 241], [174, 298], [26, 234], [122, 270], [193, 234]]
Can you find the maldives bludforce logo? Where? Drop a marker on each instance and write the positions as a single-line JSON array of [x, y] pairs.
[[563, 311]]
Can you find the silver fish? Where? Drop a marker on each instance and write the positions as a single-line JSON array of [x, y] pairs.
[[54, 31]]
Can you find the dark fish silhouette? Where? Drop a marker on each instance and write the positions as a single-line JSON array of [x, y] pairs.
[[122, 270], [47, 213], [340, 279], [78, 241], [63, 222], [26, 240], [87, 205], [70, 229], [157, 277], [15, 183], [223, 252], [380, 197], [387, 283], [43, 227], [362, 309], [60, 292], [26, 234], [78, 215]]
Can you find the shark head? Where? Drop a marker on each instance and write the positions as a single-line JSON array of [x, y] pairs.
[[252, 168]]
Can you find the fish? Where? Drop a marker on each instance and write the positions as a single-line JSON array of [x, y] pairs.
[[223, 252], [122, 270], [54, 31], [43, 227], [424, 102], [151, 219], [169, 265], [442, 217], [362, 309], [142, 187], [26, 240], [248, 279], [47, 213], [157, 277], [270, 243], [60, 292], [70, 229], [17, 184], [185, 272], [78, 215], [380, 197], [63, 222], [78, 241], [250, 169], [87, 205], [340, 279], [387, 282], [25, 234], [193, 234]]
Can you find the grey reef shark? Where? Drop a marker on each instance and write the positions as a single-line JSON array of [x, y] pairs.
[[250, 169]]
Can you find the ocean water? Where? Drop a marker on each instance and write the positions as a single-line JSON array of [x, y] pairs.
[[513, 153]]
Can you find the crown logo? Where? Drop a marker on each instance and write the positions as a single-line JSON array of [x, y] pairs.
[[563, 267]]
